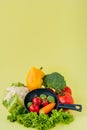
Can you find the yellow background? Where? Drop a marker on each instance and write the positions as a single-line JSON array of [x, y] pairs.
[[47, 33]]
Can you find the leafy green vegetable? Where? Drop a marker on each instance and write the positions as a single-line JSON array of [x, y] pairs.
[[41, 121], [28, 120], [62, 116], [19, 110], [5, 103], [55, 81], [12, 103], [18, 84], [51, 99]]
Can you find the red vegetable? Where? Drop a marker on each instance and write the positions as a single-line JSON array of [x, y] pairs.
[[34, 108], [37, 101], [45, 102], [67, 90], [66, 98]]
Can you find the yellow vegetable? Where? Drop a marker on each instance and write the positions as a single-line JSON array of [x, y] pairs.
[[34, 78]]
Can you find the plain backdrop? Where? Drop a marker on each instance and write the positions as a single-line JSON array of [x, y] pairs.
[[47, 33]]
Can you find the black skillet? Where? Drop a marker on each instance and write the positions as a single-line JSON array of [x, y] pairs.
[[38, 92]]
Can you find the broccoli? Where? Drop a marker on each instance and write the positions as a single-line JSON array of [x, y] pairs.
[[55, 81]]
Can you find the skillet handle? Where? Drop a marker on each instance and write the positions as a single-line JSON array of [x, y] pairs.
[[76, 107]]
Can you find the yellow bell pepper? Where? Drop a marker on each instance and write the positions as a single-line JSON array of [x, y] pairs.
[[34, 78]]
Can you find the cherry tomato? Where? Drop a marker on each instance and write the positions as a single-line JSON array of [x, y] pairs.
[[67, 90], [34, 108], [66, 98], [37, 101], [45, 102]]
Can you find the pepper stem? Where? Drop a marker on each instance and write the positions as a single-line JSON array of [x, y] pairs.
[[41, 68]]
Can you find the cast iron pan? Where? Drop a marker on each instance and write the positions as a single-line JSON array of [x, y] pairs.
[[38, 92]]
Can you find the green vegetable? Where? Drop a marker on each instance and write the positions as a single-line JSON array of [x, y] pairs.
[[61, 116], [42, 121], [19, 110], [11, 104], [43, 96], [55, 81], [51, 99], [29, 104], [18, 84], [29, 119], [5, 103]]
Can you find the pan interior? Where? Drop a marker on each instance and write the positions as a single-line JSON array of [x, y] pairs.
[[38, 92]]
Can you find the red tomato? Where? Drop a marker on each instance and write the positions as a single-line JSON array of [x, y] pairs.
[[67, 90], [37, 101], [45, 102], [66, 98], [34, 108]]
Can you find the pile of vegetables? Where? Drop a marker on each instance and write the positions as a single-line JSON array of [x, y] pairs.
[[39, 117], [41, 104]]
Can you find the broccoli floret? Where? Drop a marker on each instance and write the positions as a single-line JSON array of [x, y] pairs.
[[55, 81]]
